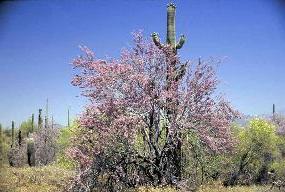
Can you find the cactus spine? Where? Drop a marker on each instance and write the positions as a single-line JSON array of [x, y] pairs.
[[40, 120], [13, 133]]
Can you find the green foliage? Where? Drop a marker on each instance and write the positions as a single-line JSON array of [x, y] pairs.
[[26, 127], [201, 165], [260, 137], [279, 169], [5, 141], [64, 142], [256, 150]]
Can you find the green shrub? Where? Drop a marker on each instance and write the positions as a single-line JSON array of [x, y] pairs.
[[255, 153], [64, 142]]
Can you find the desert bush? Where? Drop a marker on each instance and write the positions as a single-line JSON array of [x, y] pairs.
[[256, 150], [45, 142], [64, 142], [202, 165], [17, 154]]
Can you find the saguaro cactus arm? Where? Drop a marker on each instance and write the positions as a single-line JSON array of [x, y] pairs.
[[181, 42], [156, 40]]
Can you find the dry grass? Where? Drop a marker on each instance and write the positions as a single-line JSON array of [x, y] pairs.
[[33, 179], [218, 187], [53, 179]]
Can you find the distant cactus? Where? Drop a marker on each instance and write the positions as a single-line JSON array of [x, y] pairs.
[[13, 133], [32, 123], [40, 120]]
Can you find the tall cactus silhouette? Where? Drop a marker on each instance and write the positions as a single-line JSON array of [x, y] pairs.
[[32, 123], [13, 133], [40, 120]]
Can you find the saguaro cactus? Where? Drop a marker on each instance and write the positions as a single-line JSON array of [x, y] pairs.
[[40, 120], [13, 133], [171, 43], [171, 35], [174, 73], [32, 123]]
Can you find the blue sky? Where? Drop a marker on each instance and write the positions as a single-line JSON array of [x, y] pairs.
[[39, 39]]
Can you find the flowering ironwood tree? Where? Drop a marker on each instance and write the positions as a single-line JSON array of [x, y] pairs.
[[141, 109]]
